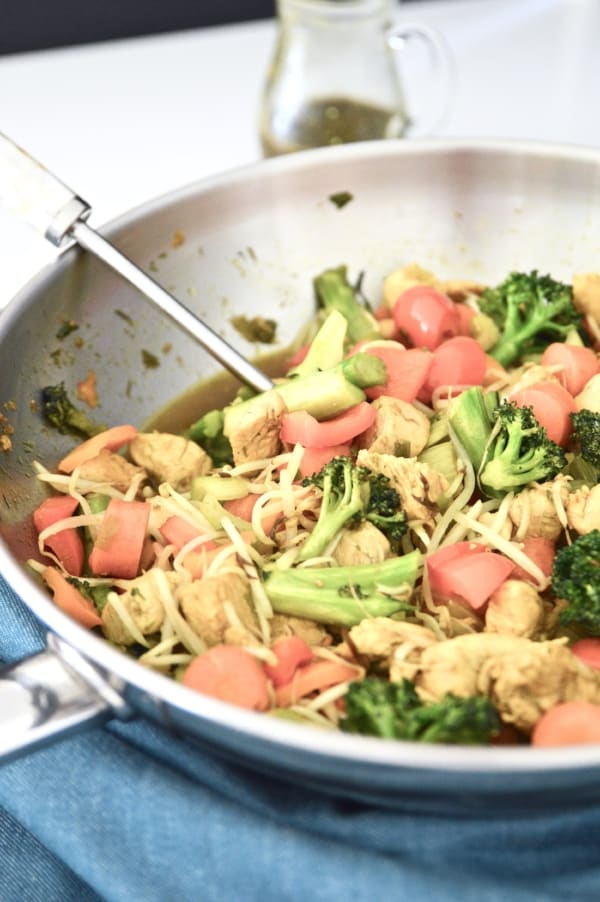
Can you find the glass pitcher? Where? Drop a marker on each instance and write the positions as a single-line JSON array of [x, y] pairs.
[[335, 75]]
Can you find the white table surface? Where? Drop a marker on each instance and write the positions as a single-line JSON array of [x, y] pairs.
[[123, 121]]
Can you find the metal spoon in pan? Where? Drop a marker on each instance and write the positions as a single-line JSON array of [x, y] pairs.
[[35, 195]]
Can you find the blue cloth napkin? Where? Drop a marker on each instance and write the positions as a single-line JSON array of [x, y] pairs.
[[127, 812]]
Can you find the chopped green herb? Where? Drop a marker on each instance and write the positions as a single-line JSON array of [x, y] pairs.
[[124, 316], [255, 328], [340, 199], [66, 327], [150, 360]]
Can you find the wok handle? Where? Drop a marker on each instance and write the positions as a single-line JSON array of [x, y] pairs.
[[51, 695]]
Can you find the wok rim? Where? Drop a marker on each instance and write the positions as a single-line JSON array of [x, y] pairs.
[[326, 744]]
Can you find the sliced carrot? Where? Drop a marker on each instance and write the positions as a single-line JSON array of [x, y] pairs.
[[120, 541], [66, 545], [291, 652], [231, 674], [470, 572], [197, 562], [300, 427], [407, 370], [464, 315], [426, 316], [541, 551], [552, 405], [178, 531], [314, 677], [458, 361], [87, 391], [314, 459], [570, 723], [113, 439], [588, 651], [70, 600], [578, 364], [243, 508]]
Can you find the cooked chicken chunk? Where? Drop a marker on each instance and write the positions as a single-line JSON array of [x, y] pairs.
[[402, 279], [170, 458], [254, 433], [364, 545], [522, 678], [143, 604], [583, 509], [399, 428], [108, 467], [218, 609], [379, 636], [312, 633], [461, 289], [418, 485], [533, 511], [515, 609], [589, 396], [586, 294]]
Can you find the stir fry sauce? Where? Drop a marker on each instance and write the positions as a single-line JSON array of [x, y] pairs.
[[401, 539]]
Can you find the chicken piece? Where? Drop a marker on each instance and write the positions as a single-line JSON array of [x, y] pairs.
[[521, 678], [461, 289], [402, 279], [589, 397], [170, 458], [583, 509], [488, 518], [586, 294], [364, 545], [529, 375], [254, 434], [143, 604], [380, 637], [533, 511], [108, 467], [515, 609], [399, 428], [418, 485], [203, 604], [313, 633], [484, 330]]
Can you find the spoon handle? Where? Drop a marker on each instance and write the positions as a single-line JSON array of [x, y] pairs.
[[36, 196]]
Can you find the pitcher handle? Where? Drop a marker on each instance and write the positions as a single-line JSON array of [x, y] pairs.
[[440, 63]]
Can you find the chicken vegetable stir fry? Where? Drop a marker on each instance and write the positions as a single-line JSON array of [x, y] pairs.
[[400, 539]]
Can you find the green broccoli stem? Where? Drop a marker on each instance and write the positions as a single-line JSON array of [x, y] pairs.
[[327, 347], [469, 417], [323, 394], [334, 292], [517, 332], [342, 595]]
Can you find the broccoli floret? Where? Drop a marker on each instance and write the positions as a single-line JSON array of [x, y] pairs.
[[576, 579], [344, 595], [334, 292], [586, 429], [208, 433], [375, 707], [507, 446], [352, 494], [530, 310], [59, 410]]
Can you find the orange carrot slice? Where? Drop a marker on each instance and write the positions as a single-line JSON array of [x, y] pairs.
[[120, 541], [67, 544], [70, 600], [113, 439], [291, 652], [314, 677], [570, 723], [231, 674]]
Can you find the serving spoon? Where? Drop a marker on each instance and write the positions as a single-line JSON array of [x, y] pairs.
[[39, 198]]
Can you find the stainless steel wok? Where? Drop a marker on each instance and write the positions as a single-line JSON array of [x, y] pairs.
[[253, 240]]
